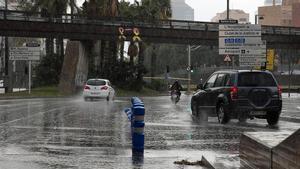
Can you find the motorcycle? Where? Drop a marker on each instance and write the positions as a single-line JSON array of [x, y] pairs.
[[175, 96]]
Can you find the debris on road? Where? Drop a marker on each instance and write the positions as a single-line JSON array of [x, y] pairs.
[[186, 162]]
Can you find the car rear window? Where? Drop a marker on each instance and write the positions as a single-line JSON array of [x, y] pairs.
[[96, 82], [256, 79]]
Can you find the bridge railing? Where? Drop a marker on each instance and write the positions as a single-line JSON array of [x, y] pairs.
[[130, 22]]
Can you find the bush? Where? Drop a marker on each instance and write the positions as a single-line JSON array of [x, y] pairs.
[[48, 71], [158, 85], [126, 76]]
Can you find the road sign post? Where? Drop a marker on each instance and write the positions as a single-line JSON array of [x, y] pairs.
[[29, 53]]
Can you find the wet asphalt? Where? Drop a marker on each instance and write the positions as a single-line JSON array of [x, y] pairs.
[[70, 133]]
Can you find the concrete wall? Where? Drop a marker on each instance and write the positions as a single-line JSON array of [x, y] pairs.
[[82, 67], [273, 150], [254, 153], [75, 68], [287, 154]]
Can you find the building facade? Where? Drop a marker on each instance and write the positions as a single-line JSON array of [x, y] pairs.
[[286, 14], [181, 10], [271, 2], [240, 15]]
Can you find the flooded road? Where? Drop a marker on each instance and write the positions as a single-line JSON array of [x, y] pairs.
[[73, 134]]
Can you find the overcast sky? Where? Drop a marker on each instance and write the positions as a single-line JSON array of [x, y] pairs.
[[207, 9]]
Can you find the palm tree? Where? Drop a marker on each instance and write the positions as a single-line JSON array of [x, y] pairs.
[[155, 10], [49, 8], [94, 9]]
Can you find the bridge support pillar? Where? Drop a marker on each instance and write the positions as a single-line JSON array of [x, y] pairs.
[[75, 68]]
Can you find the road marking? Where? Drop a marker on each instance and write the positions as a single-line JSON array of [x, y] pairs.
[[34, 115], [298, 107]]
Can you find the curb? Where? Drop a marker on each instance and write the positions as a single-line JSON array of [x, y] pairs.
[[206, 163]]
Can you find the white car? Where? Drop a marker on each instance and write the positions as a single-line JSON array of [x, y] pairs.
[[98, 88]]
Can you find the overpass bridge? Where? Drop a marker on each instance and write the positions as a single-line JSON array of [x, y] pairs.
[[27, 24]]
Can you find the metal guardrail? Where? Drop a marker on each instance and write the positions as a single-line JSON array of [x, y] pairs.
[[118, 21]]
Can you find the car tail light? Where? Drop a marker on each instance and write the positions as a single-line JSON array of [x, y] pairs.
[[279, 91], [87, 88], [104, 88], [234, 93]]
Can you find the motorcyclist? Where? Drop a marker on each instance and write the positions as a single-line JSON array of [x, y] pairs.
[[176, 87]]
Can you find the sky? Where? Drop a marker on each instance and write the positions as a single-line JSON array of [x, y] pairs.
[[207, 9]]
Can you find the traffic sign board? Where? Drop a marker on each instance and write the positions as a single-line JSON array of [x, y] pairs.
[[253, 52], [228, 21], [239, 27], [24, 53], [227, 58], [225, 51], [242, 50], [244, 33], [238, 41]]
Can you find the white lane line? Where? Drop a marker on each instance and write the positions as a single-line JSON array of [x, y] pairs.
[[298, 107]]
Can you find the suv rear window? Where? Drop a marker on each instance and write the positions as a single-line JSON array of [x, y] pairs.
[[96, 82], [255, 79]]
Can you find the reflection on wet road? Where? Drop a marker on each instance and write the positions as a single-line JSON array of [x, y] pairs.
[[70, 133]]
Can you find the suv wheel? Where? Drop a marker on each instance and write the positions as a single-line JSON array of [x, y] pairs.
[[223, 114], [272, 118], [242, 117]]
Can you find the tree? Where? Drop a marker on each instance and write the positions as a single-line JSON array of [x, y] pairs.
[[50, 9]]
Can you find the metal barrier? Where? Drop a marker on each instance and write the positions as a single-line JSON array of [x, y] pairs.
[[119, 21], [136, 115]]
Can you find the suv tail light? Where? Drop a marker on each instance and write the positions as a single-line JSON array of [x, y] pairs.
[[279, 91], [234, 93], [87, 88], [104, 88]]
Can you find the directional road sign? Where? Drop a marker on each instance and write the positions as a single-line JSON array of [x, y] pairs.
[[239, 27], [237, 42], [24, 53]]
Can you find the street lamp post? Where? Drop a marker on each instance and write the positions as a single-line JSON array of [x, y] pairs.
[[6, 53], [227, 9]]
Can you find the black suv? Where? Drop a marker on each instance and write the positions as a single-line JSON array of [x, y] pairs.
[[238, 94]]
